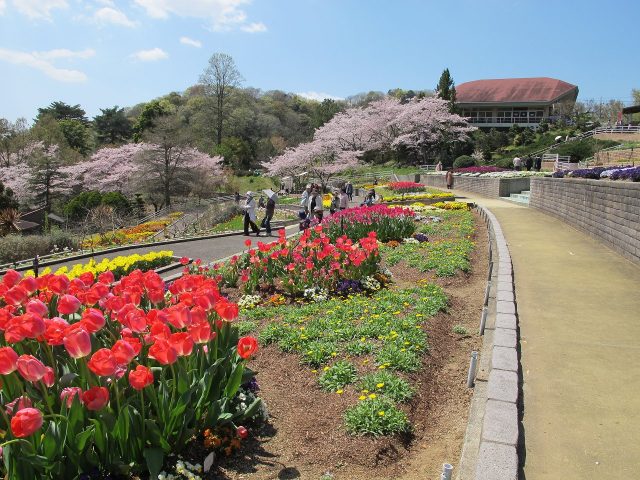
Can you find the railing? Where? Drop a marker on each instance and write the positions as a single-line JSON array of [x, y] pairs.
[[617, 129]]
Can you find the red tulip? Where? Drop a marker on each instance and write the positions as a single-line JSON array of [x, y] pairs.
[[163, 352], [68, 304], [26, 422], [179, 315], [8, 360], [30, 368], [160, 331], [16, 295], [87, 278], [227, 310], [18, 404], [140, 377], [103, 363], [31, 325], [242, 432], [200, 331], [11, 278], [92, 320], [184, 260], [123, 352], [247, 242], [58, 284], [106, 277], [155, 296], [182, 343], [95, 398], [49, 377], [55, 330], [67, 394], [247, 346], [77, 342], [30, 284], [37, 307]]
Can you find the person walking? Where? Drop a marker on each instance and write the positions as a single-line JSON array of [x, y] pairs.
[[528, 163], [439, 166], [236, 197], [304, 198], [344, 200], [335, 202], [449, 178], [349, 190], [517, 163], [270, 209], [538, 163], [249, 208], [315, 200]]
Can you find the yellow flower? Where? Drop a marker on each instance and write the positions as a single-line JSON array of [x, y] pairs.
[[340, 392], [365, 391], [362, 397], [325, 368], [314, 371], [381, 413], [372, 396], [382, 367], [379, 385]]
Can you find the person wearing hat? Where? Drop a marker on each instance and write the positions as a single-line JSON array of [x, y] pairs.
[[270, 209], [249, 208]]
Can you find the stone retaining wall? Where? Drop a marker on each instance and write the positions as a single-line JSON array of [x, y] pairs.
[[606, 210], [486, 186]]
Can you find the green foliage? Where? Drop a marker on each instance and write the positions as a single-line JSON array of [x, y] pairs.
[[112, 126], [20, 247], [387, 384], [147, 118], [376, 416], [245, 327], [460, 330], [464, 161], [337, 376], [577, 150], [446, 88], [6, 198], [78, 207], [62, 111], [77, 134]]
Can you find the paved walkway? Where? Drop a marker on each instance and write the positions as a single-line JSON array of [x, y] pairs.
[[579, 311]]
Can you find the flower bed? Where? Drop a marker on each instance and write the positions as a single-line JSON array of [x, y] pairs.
[[311, 261], [412, 197], [119, 266], [480, 169], [389, 223], [113, 377], [406, 187], [627, 172], [135, 234]]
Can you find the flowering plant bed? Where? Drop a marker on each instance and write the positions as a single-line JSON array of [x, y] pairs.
[[412, 197], [113, 377], [366, 377], [118, 266], [389, 223], [128, 235], [406, 187], [480, 169], [628, 172]]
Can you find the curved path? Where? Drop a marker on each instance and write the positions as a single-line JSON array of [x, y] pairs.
[[579, 312]]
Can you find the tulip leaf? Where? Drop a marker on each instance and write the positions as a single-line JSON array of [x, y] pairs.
[[51, 440], [234, 381], [155, 459], [253, 408], [81, 440]]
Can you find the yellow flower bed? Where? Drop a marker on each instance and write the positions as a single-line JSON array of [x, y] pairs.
[[419, 196], [120, 265], [451, 205], [135, 234]]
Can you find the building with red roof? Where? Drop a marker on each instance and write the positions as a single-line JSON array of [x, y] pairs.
[[508, 101]]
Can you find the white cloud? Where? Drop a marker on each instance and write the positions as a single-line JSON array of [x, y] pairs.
[[319, 96], [222, 14], [42, 61], [108, 3], [150, 55], [3, 4], [191, 42], [111, 15], [64, 53], [256, 27], [39, 8]]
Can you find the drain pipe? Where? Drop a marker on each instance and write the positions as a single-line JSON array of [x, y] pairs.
[[483, 320], [447, 470], [472, 369]]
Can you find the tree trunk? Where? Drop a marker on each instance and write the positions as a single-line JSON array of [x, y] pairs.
[[219, 119]]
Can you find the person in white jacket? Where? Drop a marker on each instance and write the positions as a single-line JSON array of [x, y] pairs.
[[304, 198], [249, 208]]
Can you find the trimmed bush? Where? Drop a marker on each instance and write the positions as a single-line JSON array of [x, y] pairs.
[[464, 161], [21, 247]]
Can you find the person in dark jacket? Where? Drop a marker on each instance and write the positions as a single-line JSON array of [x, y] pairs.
[[349, 189], [537, 164], [528, 163], [269, 211]]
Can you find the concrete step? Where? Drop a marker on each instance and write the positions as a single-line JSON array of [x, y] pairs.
[[522, 197]]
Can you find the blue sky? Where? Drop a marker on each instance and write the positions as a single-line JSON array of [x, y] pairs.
[[101, 53]]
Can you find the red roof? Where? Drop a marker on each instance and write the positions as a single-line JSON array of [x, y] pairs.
[[513, 90]]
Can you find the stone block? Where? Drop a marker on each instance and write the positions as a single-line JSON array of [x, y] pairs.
[[505, 337], [504, 358], [506, 320], [504, 286], [505, 296], [503, 386], [500, 423], [505, 307]]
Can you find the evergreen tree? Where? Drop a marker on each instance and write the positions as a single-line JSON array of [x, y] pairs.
[[446, 89], [112, 126]]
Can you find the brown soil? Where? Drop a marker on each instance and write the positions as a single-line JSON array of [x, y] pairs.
[[305, 437]]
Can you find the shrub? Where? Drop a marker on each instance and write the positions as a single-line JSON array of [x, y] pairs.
[[464, 161], [14, 248], [577, 150], [376, 416], [78, 207]]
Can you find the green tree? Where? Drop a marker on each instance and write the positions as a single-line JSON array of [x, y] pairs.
[[236, 153], [63, 111], [77, 135], [112, 126], [148, 116], [325, 111], [446, 89], [219, 79], [6, 198]]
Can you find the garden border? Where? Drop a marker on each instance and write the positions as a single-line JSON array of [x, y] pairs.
[[493, 436]]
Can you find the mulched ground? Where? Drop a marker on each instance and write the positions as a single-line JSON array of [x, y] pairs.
[[305, 437]]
